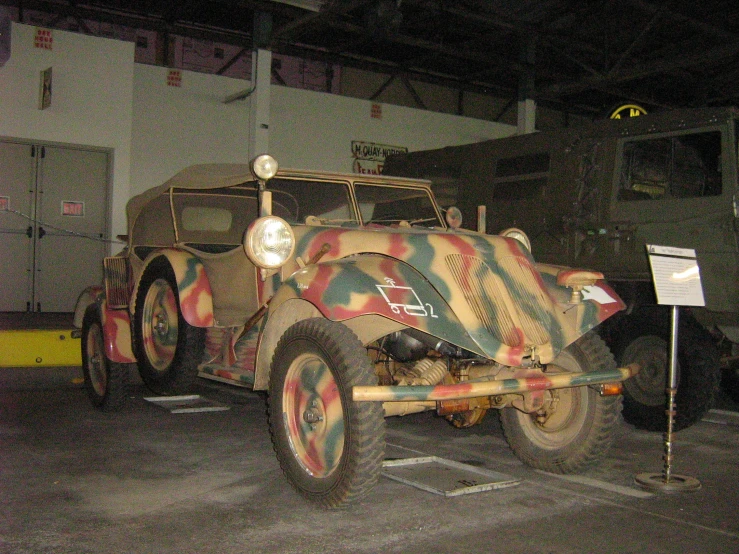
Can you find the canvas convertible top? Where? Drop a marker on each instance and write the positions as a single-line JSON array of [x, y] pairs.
[[214, 176]]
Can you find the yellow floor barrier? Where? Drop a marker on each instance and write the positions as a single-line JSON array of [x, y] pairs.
[[42, 348]]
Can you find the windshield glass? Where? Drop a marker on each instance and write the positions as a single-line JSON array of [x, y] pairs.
[[385, 205], [298, 199]]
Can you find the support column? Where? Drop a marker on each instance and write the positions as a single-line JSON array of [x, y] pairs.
[[526, 89], [261, 63]]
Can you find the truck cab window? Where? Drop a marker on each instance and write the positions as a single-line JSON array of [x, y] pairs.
[[682, 166]]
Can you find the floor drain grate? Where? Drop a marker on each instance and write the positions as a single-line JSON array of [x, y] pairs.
[[445, 477], [186, 404]]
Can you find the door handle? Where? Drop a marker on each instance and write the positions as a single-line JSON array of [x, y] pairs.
[[41, 233], [29, 231]]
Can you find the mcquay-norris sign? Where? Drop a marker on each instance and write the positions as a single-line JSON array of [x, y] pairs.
[[369, 157]]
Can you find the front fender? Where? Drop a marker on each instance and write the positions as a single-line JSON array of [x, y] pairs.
[[117, 334], [116, 325], [90, 295], [193, 287], [599, 302], [365, 285]]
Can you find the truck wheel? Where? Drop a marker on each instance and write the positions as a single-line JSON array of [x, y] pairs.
[[730, 381], [644, 338], [168, 349], [106, 382], [329, 447], [577, 425]]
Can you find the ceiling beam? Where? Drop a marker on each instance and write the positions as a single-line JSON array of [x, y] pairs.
[[678, 17], [643, 34], [644, 70], [334, 8], [422, 44]]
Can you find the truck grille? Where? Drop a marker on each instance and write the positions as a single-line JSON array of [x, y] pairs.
[[504, 303], [116, 281]]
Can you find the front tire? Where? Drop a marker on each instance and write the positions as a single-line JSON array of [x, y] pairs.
[[106, 382], [329, 447], [576, 426], [167, 348]]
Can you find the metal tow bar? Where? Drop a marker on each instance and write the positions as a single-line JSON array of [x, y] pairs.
[[420, 393]]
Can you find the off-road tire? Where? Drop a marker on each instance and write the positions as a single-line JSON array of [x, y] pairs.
[[167, 348], [337, 459], [106, 382], [582, 427], [730, 381], [644, 337]]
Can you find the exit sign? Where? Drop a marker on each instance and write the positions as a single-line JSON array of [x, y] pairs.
[[73, 209]]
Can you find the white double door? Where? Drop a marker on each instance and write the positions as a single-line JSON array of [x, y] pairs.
[[53, 219]]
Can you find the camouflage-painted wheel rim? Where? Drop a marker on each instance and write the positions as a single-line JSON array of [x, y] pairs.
[[313, 415], [564, 415], [95, 363], [159, 324]]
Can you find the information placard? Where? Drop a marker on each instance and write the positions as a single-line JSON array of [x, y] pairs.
[[676, 275]]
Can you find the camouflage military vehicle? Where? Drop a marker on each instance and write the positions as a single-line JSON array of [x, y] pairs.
[[348, 298], [593, 196]]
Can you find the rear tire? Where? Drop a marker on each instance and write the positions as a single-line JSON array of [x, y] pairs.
[[580, 424], [106, 382], [329, 447], [167, 348]]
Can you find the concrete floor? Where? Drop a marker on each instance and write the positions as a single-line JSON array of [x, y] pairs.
[[73, 479]]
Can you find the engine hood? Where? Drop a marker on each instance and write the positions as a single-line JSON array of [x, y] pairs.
[[509, 306]]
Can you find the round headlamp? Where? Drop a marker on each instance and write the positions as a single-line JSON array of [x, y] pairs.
[[519, 235], [269, 242], [454, 217], [264, 167]]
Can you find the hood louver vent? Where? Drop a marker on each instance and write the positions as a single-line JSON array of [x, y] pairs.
[[507, 304]]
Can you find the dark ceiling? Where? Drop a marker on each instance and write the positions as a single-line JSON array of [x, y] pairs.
[[584, 56]]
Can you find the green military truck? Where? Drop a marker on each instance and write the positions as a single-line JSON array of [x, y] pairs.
[[593, 196]]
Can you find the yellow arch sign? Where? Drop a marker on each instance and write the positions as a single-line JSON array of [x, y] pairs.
[[627, 110]]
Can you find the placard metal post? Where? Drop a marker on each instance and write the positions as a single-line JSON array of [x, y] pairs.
[[677, 282]]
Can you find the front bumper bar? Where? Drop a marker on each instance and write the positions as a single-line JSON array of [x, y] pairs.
[[458, 391]]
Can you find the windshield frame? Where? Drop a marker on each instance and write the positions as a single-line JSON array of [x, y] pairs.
[[438, 219]]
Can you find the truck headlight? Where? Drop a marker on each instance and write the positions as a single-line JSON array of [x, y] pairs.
[[264, 167], [269, 242], [518, 234]]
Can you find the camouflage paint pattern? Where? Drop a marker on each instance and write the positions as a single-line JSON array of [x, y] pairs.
[[193, 287], [117, 333], [491, 388], [452, 285], [160, 324], [314, 415], [116, 325], [348, 288], [479, 292], [238, 364]]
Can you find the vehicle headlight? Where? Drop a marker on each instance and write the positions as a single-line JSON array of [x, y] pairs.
[[269, 242], [518, 234], [264, 167]]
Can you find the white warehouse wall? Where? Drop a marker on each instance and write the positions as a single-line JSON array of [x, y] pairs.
[[91, 103], [314, 130], [174, 127], [102, 99]]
